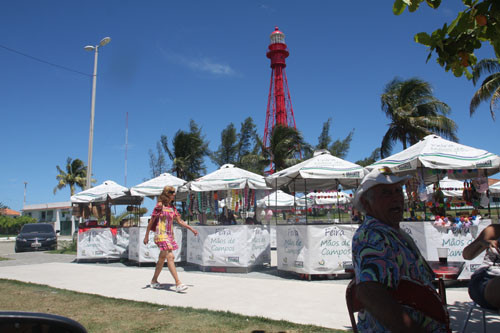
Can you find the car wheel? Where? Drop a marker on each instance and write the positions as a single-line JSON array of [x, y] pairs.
[[16, 250]]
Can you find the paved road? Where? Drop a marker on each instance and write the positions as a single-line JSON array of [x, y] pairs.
[[29, 258]]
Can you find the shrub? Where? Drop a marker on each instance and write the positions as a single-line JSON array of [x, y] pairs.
[[12, 225]]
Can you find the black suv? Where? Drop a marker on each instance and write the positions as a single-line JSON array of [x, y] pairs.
[[36, 237]]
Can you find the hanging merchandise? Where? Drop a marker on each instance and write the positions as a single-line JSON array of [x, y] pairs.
[[233, 199], [216, 204], [422, 191], [208, 201], [246, 203], [227, 200], [240, 197], [481, 184], [199, 203], [484, 201], [188, 203]]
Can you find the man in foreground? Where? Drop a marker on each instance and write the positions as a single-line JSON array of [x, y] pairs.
[[383, 254]]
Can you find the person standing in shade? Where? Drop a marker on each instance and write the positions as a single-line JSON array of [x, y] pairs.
[[383, 255], [161, 222], [484, 285]]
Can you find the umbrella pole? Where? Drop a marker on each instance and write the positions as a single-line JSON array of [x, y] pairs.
[[305, 195], [294, 202], [276, 201], [487, 182], [338, 208], [275, 204]]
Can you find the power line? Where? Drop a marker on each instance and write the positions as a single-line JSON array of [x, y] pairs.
[[43, 61]]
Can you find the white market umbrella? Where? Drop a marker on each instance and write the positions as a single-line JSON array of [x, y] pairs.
[[329, 198], [108, 189], [154, 186], [280, 199], [455, 160], [321, 172], [449, 187], [227, 177]]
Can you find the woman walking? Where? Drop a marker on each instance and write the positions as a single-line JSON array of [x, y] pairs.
[[161, 223]]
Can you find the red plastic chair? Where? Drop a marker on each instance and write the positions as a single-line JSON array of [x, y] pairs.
[[414, 294]]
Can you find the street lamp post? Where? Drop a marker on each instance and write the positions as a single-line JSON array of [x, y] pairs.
[[24, 201], [103, 42]]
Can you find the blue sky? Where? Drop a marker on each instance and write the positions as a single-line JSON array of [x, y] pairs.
[[172, 61]]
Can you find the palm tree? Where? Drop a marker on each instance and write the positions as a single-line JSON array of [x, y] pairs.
[[189, 150], [75, 174], [284, 146], [490, 88], [414, 113]]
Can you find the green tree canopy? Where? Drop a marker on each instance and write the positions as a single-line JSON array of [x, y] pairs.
[[285, 146], [413, 112], [456, 42], [228, 148], [157, 163], [189, 151], [338, 148], [374, 157], [248, 139], [75, 174], [490, 87]]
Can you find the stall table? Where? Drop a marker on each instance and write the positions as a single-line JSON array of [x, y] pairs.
[[229, 248], [102, 243], [315, 248], [140, 253], [429, 237]]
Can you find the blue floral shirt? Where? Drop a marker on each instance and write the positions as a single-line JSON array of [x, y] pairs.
[[383, 254]]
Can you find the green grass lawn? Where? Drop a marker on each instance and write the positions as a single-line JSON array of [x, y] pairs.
[[101, 314]]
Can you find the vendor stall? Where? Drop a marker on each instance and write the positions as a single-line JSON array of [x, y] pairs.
[[230, 248], [278, 202], [140, 253], [434, 158], [314, 247], [224, 242], [429, 236], [97, 238]]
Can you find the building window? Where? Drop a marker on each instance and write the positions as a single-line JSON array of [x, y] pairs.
[[50, 215], [43, 216]]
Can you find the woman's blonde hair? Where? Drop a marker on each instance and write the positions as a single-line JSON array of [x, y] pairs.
[[163, 198]]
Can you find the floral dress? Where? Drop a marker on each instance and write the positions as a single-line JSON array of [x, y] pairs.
[[164, 235], [385, 255]]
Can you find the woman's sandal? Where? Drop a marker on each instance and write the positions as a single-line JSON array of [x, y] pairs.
[[180, 288], [155, 285]]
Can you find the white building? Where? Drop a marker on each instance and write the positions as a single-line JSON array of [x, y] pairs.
[[57, 213]]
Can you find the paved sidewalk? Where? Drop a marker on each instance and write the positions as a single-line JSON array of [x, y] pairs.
[[318, 302]]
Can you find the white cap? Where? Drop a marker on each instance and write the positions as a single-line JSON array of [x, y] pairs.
[[377, 176]]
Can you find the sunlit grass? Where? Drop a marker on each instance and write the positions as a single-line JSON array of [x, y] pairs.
[[101, 314]]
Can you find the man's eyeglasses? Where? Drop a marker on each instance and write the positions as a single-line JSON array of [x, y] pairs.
[[171, 192]]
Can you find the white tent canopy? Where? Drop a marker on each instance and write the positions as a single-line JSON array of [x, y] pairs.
[[449, 187], [280, 199], [329, 198], [436, 153], [107, 190], [154, 186], [321, 172], [495, 189], [227, 177]]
